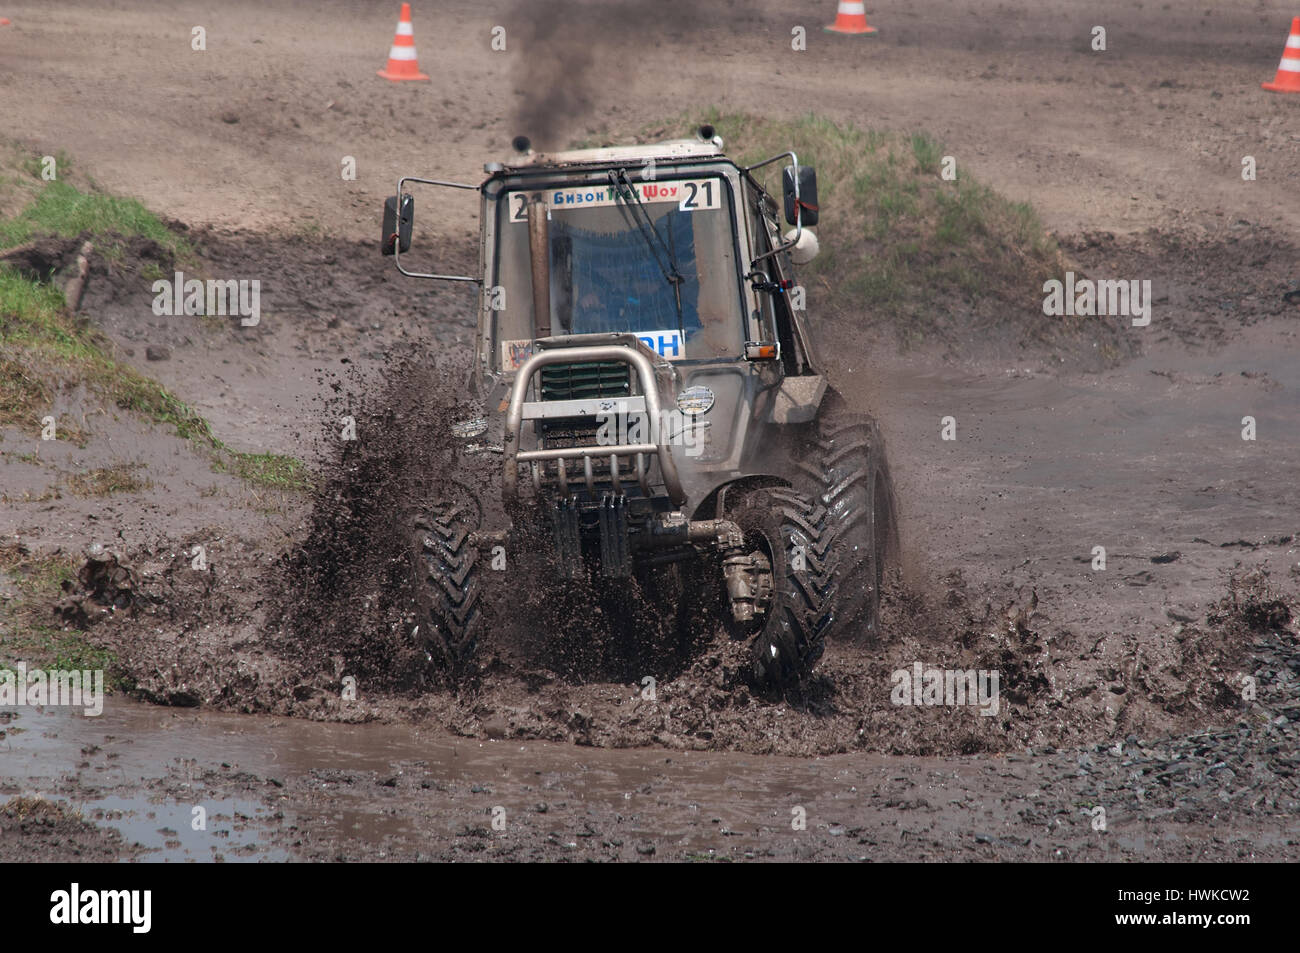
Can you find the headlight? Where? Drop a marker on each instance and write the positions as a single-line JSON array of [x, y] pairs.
[[695, 400]]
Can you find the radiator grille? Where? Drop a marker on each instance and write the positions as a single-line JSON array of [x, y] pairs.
[[585, 381]]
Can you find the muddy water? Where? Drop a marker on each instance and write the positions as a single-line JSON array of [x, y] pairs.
[[264, 782], [111, 768], [277, 789]]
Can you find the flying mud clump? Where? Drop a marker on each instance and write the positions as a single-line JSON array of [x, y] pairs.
[[346, 604]]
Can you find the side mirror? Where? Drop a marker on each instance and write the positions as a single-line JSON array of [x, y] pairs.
[[806, 213], [397, 228]]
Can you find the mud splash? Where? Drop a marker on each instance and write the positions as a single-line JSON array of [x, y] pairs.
[[280, 620], [347, 604]]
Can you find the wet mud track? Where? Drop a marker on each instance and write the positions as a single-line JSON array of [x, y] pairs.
[[1144, 460], [1121, 687], [1124, 683], [289, 789]]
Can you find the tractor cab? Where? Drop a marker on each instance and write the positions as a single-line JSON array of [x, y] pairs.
[[648, 285], [672, 242]]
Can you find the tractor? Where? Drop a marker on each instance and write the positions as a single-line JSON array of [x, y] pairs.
[[650, 399]]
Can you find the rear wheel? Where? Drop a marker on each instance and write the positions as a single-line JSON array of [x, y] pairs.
[[446, 582], [792, 532], [845, 467]]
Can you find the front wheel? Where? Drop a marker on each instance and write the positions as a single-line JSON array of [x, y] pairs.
[[844, 466], [791, 535], [446, 583]]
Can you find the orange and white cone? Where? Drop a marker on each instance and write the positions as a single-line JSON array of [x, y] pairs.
[[1288, 74], [851, 17], [402, 64]]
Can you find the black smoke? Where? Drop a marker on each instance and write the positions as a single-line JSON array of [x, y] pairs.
[[576, 58]]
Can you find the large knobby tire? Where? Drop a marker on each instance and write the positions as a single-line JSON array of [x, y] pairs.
[[845, 467], [448, 590], [793, 530]]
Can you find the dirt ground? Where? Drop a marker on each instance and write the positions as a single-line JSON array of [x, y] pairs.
[[1121, 684], [1150, 132]]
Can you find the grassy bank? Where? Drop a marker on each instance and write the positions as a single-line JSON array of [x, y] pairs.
[[43, 347], [26, 632], [900, 243]]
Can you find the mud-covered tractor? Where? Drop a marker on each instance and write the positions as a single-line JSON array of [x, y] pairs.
[[651, 401]]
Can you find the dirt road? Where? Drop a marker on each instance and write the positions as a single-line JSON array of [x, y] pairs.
[[1126, 707], [252, 132]]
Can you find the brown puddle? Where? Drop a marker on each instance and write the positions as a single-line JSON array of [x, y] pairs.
[[140, 768]]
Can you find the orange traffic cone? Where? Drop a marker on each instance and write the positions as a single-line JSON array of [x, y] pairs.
[[402, 64], [851, 17], [1288, 74]]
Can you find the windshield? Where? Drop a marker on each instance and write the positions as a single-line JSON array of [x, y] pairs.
[[664, 270]]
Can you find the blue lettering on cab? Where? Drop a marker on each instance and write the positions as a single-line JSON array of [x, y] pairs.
[[664, 343]]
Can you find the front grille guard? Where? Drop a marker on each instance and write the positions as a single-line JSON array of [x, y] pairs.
[[520, 409]]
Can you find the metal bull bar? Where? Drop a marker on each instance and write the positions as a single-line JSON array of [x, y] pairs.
[[520, 408]]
